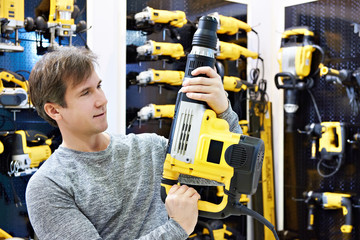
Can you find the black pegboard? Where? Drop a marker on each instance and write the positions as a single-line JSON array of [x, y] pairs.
[[332, 22], [14, 218]]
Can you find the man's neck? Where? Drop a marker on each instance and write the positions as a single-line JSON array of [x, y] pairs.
[[94, 143]]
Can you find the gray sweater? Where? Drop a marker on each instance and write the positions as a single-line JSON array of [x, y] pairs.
[[111, 194]]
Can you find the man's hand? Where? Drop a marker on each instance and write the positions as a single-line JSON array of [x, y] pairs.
[[209, 89], [182, 205]]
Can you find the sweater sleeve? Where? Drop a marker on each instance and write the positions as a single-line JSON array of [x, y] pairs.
[[170, 230], [232, 118], [53, 213]]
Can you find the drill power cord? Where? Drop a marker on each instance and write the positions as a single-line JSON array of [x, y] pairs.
[[322, 163], [243, 210]]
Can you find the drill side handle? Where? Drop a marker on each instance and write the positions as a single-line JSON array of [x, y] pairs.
[[166, 184], [310, 225], [293, 84], [347, 212]]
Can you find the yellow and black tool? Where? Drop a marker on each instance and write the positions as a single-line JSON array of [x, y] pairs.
[[151, 16], [15, 96], [350, 79], [152, 76], [314, 131], [153, 111], [152, 50], [11, 20], [330, 200], [55, 18], [235, 84], [230, 25], [201, 145], [233, 51], [297, 68], [27, 150], [331, 138], [152, 20]]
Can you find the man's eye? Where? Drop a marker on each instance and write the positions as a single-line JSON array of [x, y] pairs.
[[99, 86], [85, 93]]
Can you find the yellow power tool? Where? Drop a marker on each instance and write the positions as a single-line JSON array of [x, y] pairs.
[[297, 68], [151, 16], [16, 96], [233, 51], [330, 200], [27, 148], [152, 76], [59, 22], [235, 84], [152, 50], [230, 25], [11, 20], [331, 138], [350, 79], [153, 111]]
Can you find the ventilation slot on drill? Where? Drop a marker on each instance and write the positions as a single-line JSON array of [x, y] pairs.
[[183, 138], [260, 157], [238, 156]]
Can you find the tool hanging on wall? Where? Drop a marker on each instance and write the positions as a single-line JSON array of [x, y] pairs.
[[201, 145], [153, 51], [331, 138], [15, 95], [158, 77], [175, 78], [152, 76], [23, 151], [152, 20], [235, 84], [230, 25], [233, 51], [11, 20], [355, 141], [350, 80], [55, 20], [297, 68], [153, 111], [330, 200]]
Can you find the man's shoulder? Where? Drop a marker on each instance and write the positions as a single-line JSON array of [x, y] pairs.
[[142, 137]]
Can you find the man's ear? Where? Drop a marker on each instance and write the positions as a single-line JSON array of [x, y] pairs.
[[52, 110]]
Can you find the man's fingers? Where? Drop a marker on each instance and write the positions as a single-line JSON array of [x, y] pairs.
[[211, 73], [173, 189], [183, 189]]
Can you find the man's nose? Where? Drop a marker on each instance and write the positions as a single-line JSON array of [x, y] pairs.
[[101, 99]]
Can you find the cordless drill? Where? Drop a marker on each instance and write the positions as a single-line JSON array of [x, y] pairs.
[[201, 145], [330, 200]]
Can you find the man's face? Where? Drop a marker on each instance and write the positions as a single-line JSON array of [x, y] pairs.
[[85, 113]]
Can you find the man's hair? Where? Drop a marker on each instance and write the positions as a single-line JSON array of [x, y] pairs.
[[54, 72]]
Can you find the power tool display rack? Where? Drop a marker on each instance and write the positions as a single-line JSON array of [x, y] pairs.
[[335, 25], [14, 218]]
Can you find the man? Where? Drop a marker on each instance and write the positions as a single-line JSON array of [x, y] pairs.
[[102, 186]]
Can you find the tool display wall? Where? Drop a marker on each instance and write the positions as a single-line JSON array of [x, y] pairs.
[[14, 219], [162, 94], [335, 25]]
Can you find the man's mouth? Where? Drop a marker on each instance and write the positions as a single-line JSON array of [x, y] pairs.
[[99, 115]]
